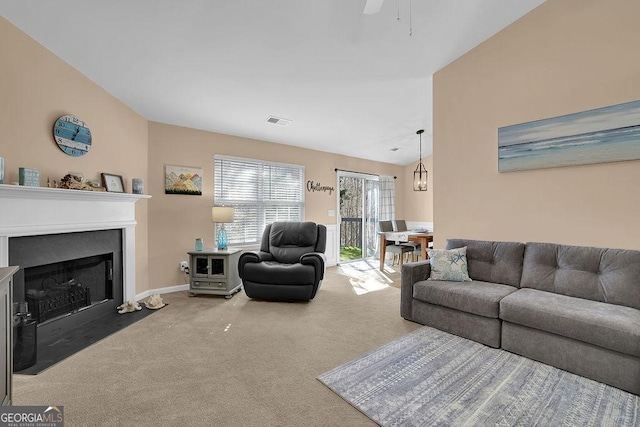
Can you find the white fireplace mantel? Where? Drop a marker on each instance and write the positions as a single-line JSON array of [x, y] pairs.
[[31, 211]]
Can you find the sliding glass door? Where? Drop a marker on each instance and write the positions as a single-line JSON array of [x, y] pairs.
[[358, 215]]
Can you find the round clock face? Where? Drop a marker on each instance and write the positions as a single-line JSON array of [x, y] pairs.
[[72, 135]]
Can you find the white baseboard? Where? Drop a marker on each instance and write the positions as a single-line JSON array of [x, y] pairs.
[[167, 290]]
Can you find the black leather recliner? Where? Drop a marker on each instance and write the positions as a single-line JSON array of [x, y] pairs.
[[290, 265]]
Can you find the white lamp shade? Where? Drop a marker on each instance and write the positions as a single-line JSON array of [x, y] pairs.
[[222, 214]]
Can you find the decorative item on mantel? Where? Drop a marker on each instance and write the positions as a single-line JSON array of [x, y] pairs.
[[137, 186], [29, 177], [1, 170], [113, 183], [75, 181]]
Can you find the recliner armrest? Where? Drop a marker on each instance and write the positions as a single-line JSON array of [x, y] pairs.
[[318, 260], [252, 257]]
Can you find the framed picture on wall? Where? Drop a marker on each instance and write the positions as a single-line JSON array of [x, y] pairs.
[[182, 180], [607, 134], [113, 183]]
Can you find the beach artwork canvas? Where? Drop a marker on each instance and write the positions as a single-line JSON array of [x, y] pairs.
[[609, 134]]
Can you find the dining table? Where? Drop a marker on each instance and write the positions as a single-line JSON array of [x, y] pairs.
[[403, 236]]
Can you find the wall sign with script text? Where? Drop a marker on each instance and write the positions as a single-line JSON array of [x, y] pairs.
[[313, 186]]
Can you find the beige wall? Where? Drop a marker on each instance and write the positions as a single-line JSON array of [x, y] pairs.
[[565, 56], [418, 205], [176, 220], [36, 88]]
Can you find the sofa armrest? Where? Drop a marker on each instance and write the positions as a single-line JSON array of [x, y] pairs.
[[411, 273], [252, 257], [318, 260]]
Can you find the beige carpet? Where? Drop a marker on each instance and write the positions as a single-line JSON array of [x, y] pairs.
[[239, 362]]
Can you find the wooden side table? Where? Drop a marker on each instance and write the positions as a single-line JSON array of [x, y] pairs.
[[214, 272]]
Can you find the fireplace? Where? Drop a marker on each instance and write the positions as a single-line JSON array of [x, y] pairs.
[[66, 280], [76, 250], [63, 275], [36, 211]]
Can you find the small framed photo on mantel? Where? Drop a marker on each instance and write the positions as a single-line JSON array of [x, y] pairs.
[[113, 183]]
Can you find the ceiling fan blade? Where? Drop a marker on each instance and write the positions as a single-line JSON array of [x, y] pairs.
[[372, 6]]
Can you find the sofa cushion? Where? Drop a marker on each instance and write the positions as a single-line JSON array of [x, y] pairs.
[[606, 325], [449, 264], [496, 262], [607, 275], [481, 298]]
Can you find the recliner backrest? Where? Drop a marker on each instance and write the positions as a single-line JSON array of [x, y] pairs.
[[321, 243], [288, 241]]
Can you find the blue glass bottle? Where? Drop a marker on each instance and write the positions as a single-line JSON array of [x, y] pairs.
[[222, 238]]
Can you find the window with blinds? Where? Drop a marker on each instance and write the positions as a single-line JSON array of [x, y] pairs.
[[261, 193]]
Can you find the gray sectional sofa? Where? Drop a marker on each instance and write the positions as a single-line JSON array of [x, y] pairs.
[[576, 308]]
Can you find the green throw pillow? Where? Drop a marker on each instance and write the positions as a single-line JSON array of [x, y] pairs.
[[449, 265]]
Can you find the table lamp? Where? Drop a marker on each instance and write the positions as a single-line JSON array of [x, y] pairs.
[[222, 215]]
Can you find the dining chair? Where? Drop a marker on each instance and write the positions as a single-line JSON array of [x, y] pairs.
[[401, 225], [395, 249]]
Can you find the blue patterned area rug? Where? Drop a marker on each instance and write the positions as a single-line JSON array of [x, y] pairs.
[[430, 377]]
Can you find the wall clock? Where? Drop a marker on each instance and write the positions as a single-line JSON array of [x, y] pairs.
[[72, 135]]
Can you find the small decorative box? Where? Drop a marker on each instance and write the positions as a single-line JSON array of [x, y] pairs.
[[29, 177]]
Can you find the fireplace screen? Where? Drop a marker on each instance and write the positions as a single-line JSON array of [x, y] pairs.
[[55, 290]]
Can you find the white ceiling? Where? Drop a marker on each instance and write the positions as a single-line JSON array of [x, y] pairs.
[[352, 84]]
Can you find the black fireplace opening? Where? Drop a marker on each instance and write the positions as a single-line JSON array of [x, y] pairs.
[[63, 288], [67, 284]]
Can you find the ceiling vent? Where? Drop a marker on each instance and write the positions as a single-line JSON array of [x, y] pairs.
[[278, 121]]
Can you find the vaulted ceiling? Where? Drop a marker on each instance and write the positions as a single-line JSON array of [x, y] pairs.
[[351, 83]]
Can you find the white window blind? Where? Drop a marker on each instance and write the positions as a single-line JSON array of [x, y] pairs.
[[261, 192]]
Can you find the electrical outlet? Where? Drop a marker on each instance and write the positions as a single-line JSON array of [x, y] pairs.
[[184, 265]]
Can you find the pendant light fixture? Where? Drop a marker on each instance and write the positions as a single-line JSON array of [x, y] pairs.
[[420, 174]]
